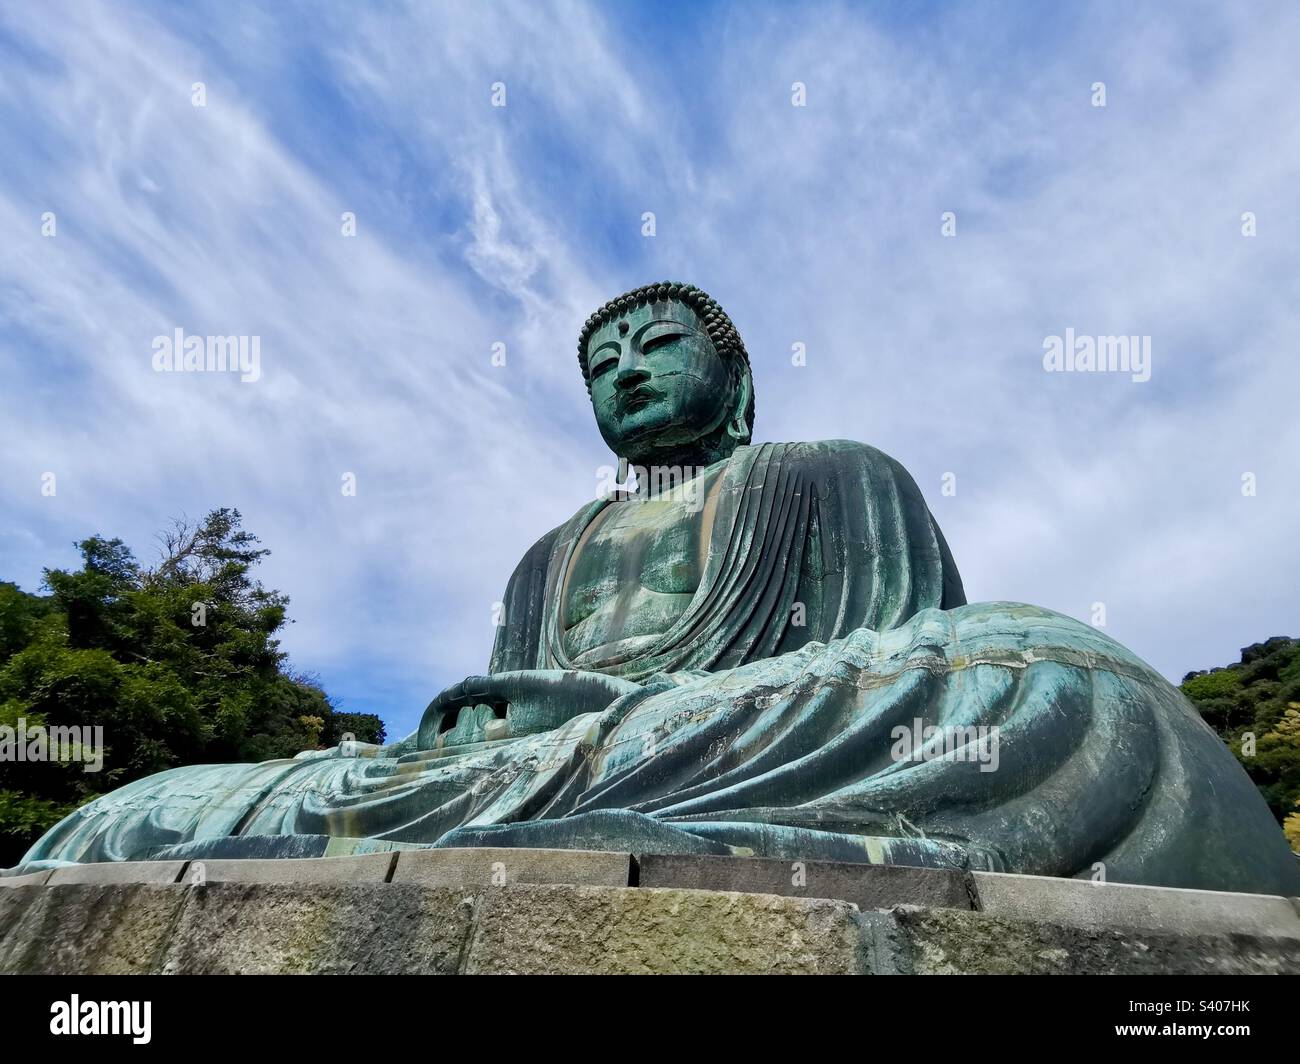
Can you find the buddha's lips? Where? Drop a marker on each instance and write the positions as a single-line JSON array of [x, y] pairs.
[[638, 398]]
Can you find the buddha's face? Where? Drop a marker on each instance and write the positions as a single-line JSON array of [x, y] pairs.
[[657, 381]]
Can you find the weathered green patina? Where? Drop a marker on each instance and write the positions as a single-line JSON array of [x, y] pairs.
[[762, 650]]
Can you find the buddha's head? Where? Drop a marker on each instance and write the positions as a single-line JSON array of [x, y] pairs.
[[668, 376]]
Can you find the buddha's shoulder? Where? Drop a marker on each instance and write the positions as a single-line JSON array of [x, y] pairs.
[[537, 558], [538, 555], [833, 455]]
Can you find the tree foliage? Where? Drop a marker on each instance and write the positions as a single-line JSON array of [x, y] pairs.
[[1254, 706], [178, 663]]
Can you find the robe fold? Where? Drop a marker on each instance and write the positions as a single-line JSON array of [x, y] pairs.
[[837, 527], [895, 724]]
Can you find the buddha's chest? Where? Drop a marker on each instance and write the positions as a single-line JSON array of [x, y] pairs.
[[633, 573]]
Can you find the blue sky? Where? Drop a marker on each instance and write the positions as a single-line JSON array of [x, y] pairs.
[[817, 225]]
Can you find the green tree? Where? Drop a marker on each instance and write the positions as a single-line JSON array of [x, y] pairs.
[[20, 613], [179, 664], [1254, 706]]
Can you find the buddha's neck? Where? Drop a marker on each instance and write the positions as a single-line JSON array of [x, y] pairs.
[[676, 463], [666, 482]]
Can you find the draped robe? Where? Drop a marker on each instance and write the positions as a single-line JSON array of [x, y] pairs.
[[753, 733]]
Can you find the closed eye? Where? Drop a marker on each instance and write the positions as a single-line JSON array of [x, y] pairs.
[[659, 340], [602, 358]]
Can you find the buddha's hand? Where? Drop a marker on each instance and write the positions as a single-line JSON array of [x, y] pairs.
[[508, 704]]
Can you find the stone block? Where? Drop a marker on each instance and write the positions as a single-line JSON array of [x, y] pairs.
[[1082, 903], [106, 872], [916, 941], [31, 879], [319, 929], [507, 866], [867, 886], [276, 848], [634, 930], [87, 929], [368, 868]]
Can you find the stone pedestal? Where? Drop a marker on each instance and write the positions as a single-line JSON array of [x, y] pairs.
[[571, 911]]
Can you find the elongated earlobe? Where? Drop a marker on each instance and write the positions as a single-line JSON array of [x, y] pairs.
[[738, 427]]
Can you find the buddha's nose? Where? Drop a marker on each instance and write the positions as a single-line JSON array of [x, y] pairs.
[[631, 372]]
